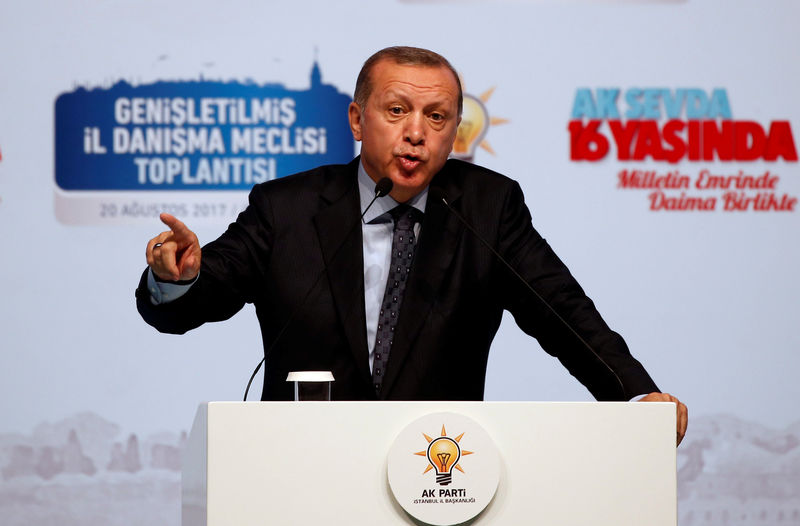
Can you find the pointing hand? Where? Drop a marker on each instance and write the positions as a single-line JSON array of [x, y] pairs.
[[175, 254]]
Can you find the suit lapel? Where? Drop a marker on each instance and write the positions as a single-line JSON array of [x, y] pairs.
[[342, 251], [439, 237]]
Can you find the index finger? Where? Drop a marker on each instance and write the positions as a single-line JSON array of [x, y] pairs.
[[174, 224]]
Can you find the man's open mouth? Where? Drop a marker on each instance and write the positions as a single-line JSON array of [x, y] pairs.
[[409, 162]]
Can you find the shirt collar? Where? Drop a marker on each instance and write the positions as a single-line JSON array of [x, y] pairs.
[[366, 191]]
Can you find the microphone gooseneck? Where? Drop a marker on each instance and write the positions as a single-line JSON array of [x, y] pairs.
[[439, 195], [382, 188]]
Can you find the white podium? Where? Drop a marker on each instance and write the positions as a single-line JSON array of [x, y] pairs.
[[324, 463]]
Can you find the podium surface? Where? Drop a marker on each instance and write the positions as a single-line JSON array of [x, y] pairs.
[[286, 463]]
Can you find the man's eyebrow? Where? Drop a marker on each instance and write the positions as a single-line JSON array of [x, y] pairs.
[[394, 94]]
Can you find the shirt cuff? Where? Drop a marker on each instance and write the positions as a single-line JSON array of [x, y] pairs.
[[637, 398], [164, 292]]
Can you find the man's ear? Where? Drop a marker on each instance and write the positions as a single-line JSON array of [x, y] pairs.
[[354, 115]]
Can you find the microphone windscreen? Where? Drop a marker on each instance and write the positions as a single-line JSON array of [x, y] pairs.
[[383, 187]]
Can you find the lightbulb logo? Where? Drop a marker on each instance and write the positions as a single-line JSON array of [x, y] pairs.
[[443, 454], [475, 123], [454, 498]]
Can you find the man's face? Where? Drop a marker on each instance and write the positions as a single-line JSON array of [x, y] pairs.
[[408, 126]]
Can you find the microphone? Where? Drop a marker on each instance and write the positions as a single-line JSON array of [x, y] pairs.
[[439, 195], [382, 188]]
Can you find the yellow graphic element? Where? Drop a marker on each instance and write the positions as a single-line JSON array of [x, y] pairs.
[[443, 454], [475, 122]]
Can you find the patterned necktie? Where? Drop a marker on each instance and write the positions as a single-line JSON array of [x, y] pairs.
[[403, 244]]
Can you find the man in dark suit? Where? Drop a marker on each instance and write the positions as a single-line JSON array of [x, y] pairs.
[[400, 312]]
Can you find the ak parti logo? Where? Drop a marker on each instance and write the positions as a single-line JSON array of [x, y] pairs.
[[441, 491], [475, 124], [443, 454]]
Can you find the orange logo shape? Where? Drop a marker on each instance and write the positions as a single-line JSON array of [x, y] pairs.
[[443, 455], [475, 123]]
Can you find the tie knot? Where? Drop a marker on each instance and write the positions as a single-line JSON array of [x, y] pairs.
[[404, 216]]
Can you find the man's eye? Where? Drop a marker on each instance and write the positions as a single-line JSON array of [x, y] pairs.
[[396, 110], [437, 116]]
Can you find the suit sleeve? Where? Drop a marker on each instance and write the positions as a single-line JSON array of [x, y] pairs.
[[231, 272], [533, 258]]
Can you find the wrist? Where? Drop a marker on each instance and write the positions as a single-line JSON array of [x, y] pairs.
[[174, 282]]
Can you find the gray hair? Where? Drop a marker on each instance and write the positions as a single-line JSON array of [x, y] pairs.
[[406, 56]]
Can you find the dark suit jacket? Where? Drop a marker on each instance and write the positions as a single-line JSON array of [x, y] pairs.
[[453, 303]]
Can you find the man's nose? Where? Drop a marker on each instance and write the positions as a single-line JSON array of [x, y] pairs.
[[415, 129]]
